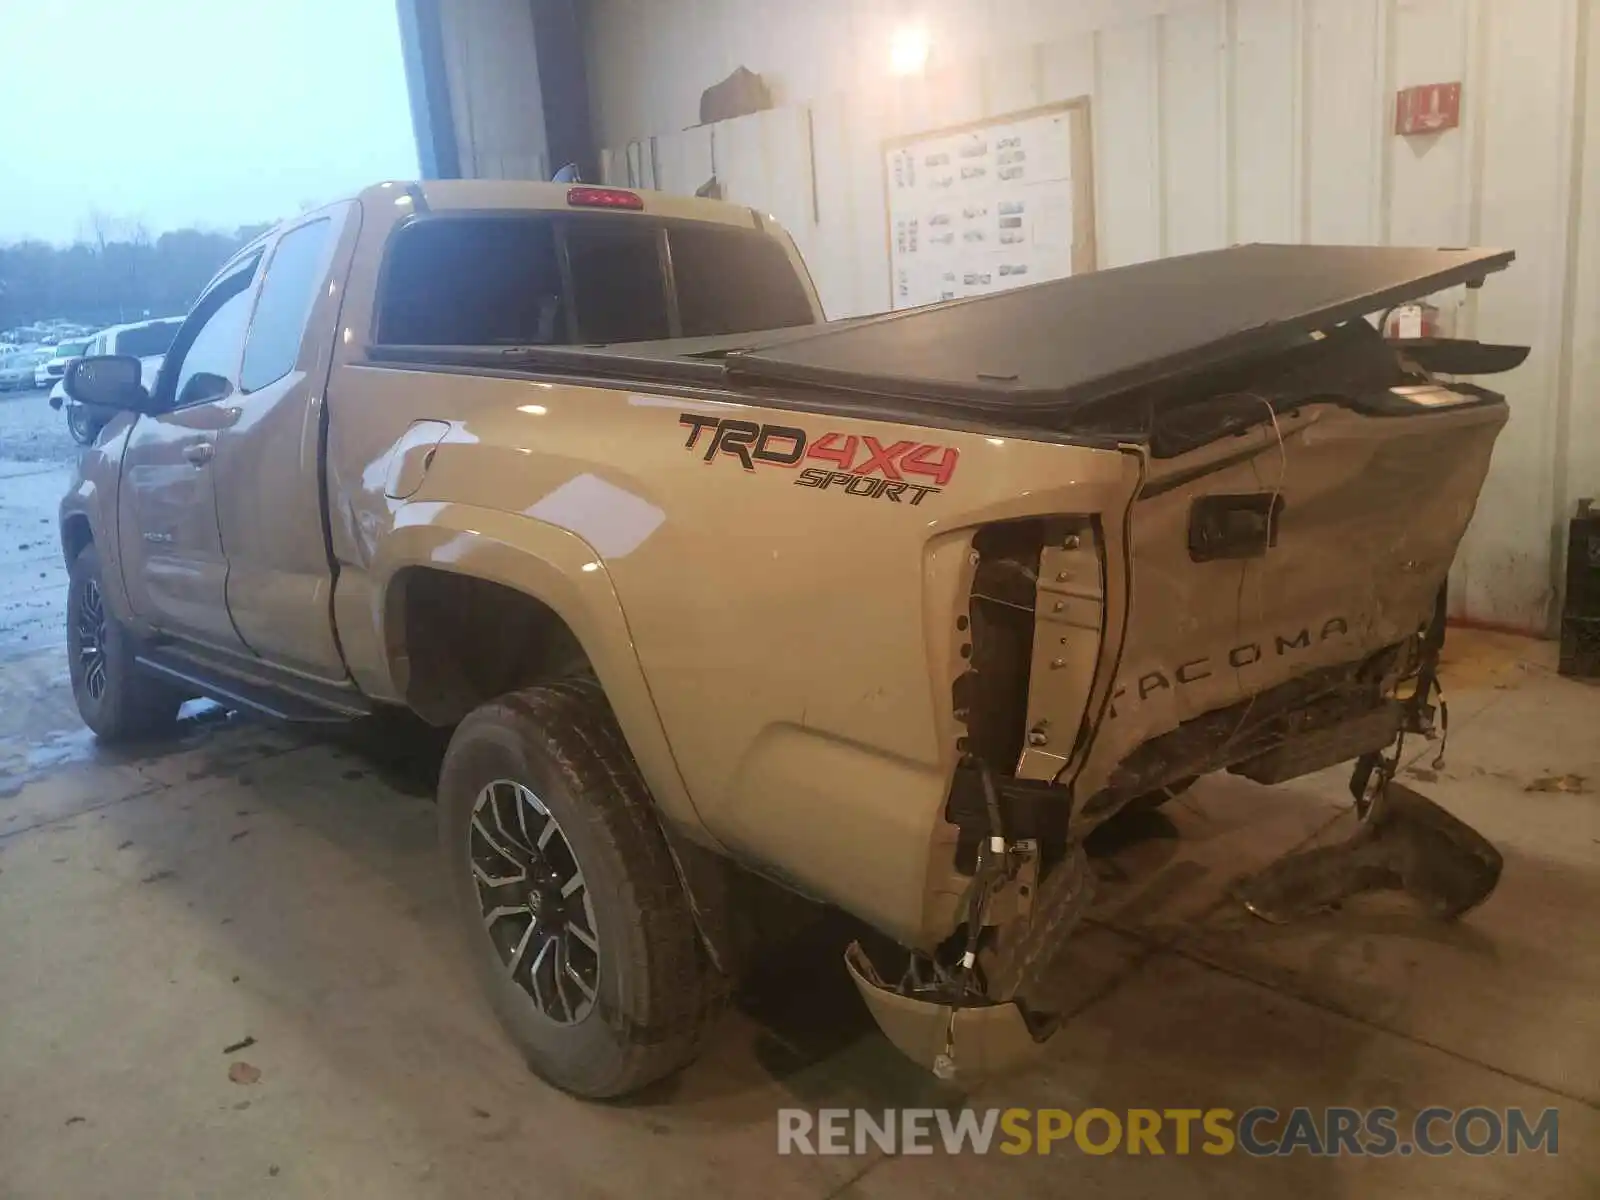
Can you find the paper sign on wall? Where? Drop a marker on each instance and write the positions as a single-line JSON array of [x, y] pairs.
[[981, 211]]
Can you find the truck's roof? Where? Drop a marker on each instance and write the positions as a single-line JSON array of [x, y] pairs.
[[501, 194]]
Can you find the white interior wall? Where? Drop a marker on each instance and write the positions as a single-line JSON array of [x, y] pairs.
[[1214, 121]]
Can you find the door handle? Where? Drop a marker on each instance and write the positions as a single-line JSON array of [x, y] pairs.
[[1225, 527], [200, 453]]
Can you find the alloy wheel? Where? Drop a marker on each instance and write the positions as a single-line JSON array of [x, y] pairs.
[[534, 900], [91, 628]]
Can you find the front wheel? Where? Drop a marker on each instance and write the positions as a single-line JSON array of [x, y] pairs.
[[575, 918], [116, 700], [83, 425]]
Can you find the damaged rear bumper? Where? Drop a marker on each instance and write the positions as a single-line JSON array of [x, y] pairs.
[[993, 1011], [992, 1038], [1406, 843]]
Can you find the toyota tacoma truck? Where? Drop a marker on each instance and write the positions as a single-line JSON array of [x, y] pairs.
[[891, 611]]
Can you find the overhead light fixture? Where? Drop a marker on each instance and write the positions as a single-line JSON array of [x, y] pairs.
[[908, 50]]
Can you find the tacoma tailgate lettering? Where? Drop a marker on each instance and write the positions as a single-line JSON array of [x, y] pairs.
[[1239, 657]]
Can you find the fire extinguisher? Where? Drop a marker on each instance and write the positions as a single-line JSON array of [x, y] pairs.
[[1419, 320]]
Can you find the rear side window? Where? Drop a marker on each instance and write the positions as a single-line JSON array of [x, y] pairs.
[[619, 288], [733, 281], [294, 276], [472, 281], [521, 280]]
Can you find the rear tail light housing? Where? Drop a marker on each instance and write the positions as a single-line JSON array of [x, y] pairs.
[[604, 197]]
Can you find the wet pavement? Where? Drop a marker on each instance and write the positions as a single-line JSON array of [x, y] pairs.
[[227, 968], [36, 456]]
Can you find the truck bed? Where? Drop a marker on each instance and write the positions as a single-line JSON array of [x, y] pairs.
[[1050, 356]]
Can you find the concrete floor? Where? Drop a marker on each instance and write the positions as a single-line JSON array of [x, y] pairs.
[[250, 883]]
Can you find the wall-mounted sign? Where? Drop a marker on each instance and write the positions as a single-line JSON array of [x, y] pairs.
[[990, 206], [1427, 108]]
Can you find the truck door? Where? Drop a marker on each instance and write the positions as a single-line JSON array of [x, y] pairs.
[[269, 507], [173, 566]]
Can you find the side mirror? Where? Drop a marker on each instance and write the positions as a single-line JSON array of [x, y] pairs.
[[204, 388], [107, 381]]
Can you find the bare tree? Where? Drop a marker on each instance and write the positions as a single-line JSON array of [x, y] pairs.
[[115, 271], [99, 229]]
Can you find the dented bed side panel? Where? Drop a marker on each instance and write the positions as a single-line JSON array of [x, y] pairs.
[[795, 588]]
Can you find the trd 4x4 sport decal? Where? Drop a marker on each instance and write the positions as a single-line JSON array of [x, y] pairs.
[[862, 466]]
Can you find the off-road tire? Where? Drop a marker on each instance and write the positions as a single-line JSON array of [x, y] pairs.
[[657, 993], [131, 706]]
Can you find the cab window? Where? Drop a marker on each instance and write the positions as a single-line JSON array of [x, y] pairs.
[[552, 280], [294, 276], [209, 346]]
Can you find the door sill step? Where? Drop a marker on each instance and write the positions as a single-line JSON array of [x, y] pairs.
[[282, 697]]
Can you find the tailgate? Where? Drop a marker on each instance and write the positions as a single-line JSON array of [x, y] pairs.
[[1369, 513], [1295, 549]]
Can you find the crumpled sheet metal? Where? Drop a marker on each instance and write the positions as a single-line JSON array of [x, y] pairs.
[[1408, 843]]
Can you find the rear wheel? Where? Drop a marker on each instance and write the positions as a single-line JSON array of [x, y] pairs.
[[116, 700], [575, 919]]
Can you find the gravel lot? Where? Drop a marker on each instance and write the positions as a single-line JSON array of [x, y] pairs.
[[36, 458], [33, 432]]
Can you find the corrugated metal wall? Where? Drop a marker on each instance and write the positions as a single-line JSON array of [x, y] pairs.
[[1214, 121], [492, 66]]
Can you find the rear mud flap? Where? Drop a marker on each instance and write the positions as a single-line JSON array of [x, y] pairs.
[[953, 1043], [1408, 843]]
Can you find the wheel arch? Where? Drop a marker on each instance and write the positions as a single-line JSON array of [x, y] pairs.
[[88, 517], [439, 549], [77, 535]]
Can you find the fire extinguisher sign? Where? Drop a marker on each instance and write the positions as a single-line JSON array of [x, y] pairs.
[[1427, 108]]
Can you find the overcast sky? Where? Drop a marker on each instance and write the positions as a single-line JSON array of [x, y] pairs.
[[216, 113]]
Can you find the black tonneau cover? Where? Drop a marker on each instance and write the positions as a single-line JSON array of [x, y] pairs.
[[1053, 348], [1092, 336]]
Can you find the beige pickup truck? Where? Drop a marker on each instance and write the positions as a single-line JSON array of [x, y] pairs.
[[890, 611]]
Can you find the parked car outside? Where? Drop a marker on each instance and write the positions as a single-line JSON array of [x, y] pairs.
[[55, 366], [17, 369], [145, 340]]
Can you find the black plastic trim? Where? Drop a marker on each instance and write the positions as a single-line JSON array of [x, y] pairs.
[[282, 697]]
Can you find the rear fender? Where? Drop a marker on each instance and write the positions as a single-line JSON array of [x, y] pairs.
[[561, 571]]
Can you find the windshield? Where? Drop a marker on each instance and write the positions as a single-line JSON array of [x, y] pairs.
[[143, 341], [72, 349], [537, 280]]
